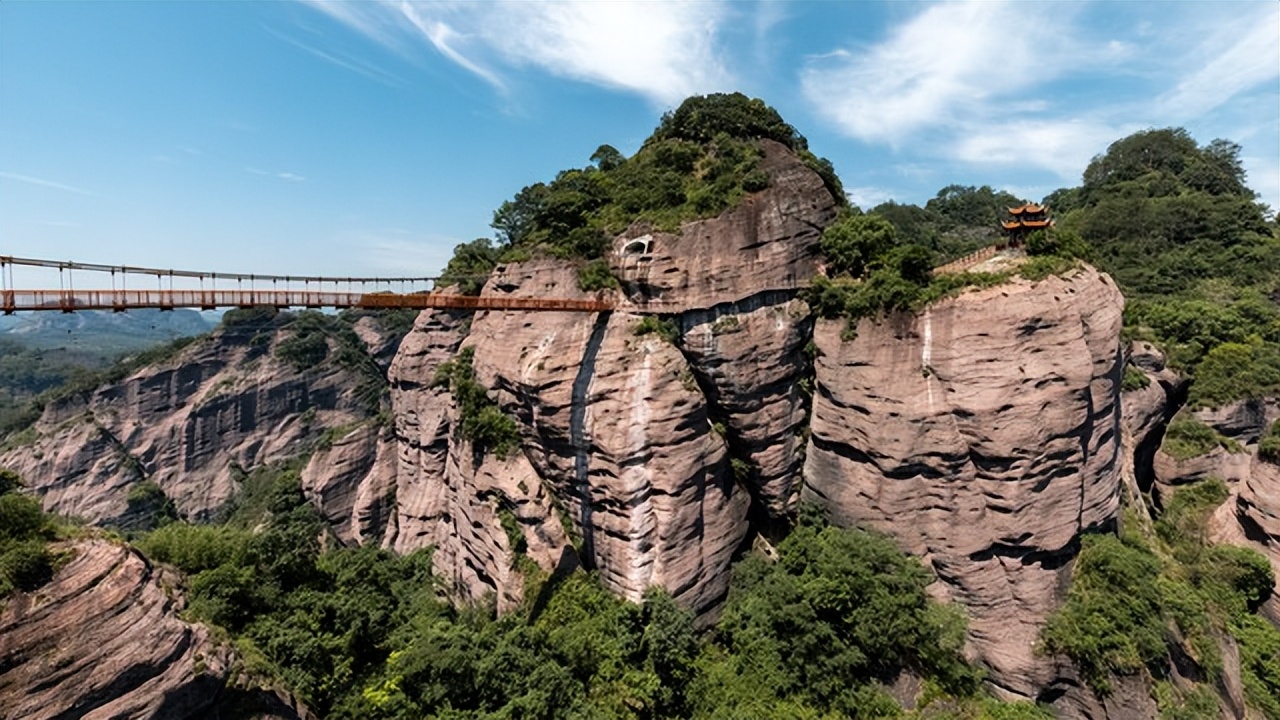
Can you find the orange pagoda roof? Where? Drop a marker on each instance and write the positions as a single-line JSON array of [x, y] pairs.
[[1028, 209]]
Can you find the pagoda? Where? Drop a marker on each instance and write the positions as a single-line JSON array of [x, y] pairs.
[[1024, 220]]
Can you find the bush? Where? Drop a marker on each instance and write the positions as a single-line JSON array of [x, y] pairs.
[[1112, 620], [1187, 437], [1134, 379], [665, 329], [24, 565], [854, 242], [305, 348], [482, 421], [840, 610], [1236, 371], [20, 517], [596, 275], [470, 265], [1269, 444]]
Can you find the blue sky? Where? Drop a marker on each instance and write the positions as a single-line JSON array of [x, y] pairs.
[[371, 137]]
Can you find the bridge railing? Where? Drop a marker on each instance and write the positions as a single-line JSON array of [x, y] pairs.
[[120, 300]]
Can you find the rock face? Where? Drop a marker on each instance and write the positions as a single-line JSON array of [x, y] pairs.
[[103, 640], [188, 424], [649, 450], [352, 481], [983, 434], [1145, 413], [1255, 513]]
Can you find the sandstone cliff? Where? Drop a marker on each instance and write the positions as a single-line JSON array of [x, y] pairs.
[[104, 640], [983, 434], [640, 456], [190, 424]]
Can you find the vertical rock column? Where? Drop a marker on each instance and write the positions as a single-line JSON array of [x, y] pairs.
[[983, 436]]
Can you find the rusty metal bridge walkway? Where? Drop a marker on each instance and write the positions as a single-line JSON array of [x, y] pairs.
[[298, 291]]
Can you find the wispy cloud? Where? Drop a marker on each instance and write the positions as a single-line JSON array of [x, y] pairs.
[[1243, 54], [46, 183], [868, 197], [976, 83], [663, 51], [343, 60], [394, 254], [947, 63], [282, 175]]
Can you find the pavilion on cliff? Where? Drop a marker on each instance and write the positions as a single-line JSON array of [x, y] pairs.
[[1024, 220]]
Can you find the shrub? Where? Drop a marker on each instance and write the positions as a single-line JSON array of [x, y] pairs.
[[1112, 619], [1269, 444], [665, 329], [1134, 379], [306, 348], [482, 421], [1187, 437], [24, 566], [596, 275], [20, 517], [470, 266], [1236, 371]]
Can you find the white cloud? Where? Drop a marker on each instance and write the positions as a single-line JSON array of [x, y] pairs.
[[291, 177], [663, 51], [867, 197], [1064, 147], [1244, 55], [944, 65], [45, 183], [398, 256], [1263, 175]]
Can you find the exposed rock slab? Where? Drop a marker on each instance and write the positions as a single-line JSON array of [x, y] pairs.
[[103, 640], [983, 434], [769, 241], [189, 424], [618, 430], [352, 480], [1251, 518]]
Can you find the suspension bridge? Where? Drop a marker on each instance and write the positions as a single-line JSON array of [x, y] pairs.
[[132, 288], [210, 291]]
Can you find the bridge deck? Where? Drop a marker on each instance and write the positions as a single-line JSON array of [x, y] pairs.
[[120, 300]]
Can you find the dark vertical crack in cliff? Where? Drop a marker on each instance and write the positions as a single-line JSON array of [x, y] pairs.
[[578, 435]]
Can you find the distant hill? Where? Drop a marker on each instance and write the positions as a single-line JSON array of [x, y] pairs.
[[103, 332]]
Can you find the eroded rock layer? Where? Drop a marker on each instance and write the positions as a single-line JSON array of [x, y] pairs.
[[189, 424], [983, 434], [103, 640]]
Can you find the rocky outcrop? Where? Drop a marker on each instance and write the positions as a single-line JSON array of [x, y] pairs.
[[190, 424], [983, 434], [421, 412], [104, 640], [352, 480], [1251, 518], [650, 448], [1145, 413]]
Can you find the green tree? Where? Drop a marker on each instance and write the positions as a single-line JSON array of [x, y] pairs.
[[470, 266], [854, 242]]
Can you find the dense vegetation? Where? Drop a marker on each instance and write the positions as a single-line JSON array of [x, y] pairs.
[[25, 531], [1194, 252], [481, 420], [702, 159], [873, 268], [363, 633], [1151, 594]]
